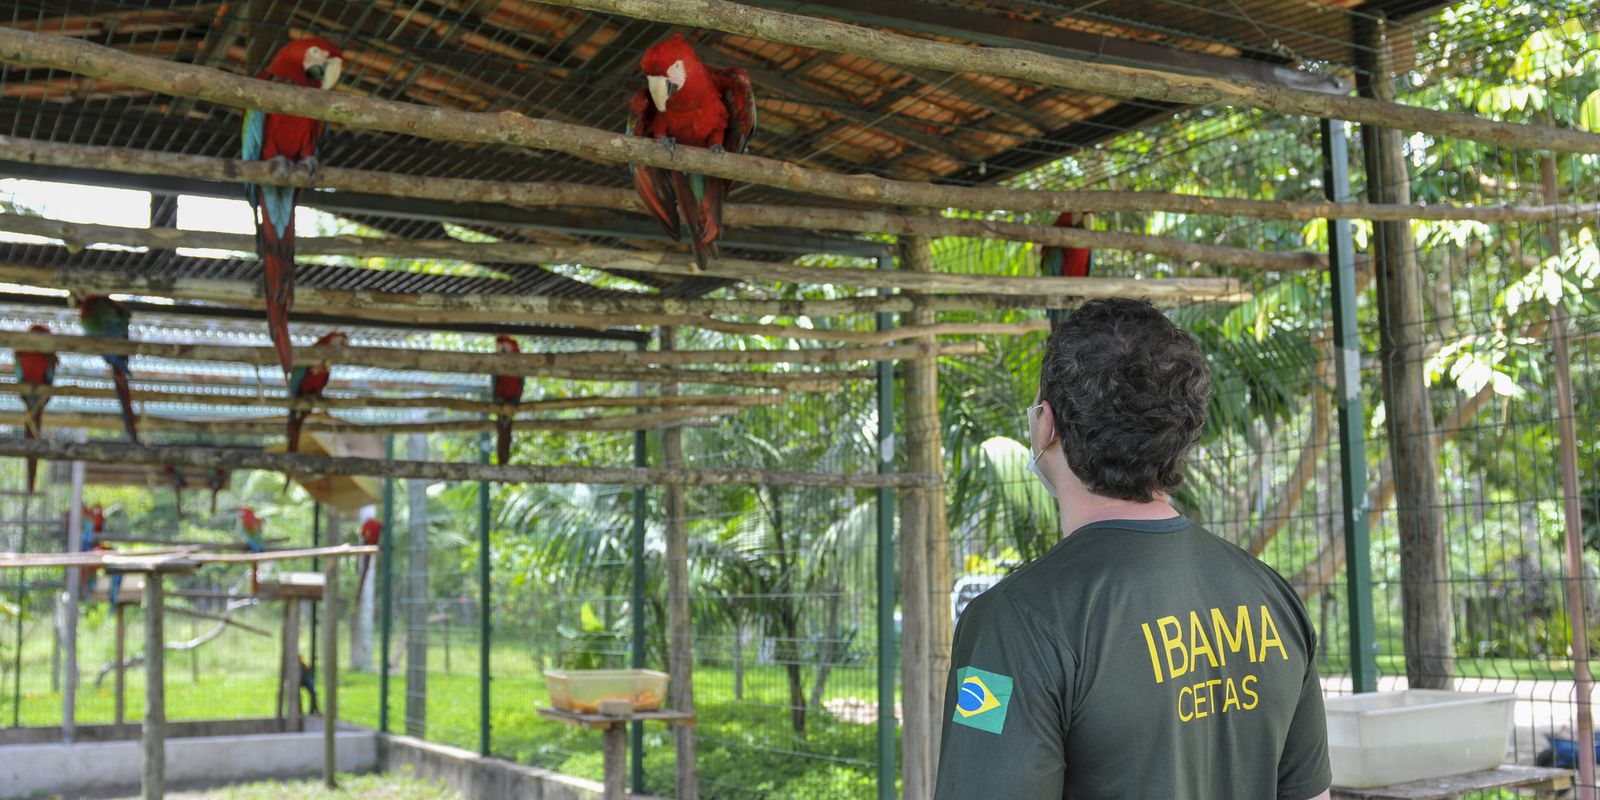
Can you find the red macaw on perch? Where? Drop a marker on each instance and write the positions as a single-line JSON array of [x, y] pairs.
[[507, 391], [1069, 262], [107, 319], [312, 63], [36, 371], [371, 534], [308, 383], [684, 102], [254, 539], [94, 526]]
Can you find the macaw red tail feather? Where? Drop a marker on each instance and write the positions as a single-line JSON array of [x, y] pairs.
[[32, 422], [297, 420], [502, 448], [125, 397], [277, 262], [361, 581]]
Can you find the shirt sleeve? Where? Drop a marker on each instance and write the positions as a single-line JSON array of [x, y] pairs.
[[1006, 708], [1303, 770]]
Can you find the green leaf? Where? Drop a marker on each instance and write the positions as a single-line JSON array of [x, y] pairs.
[[1589, 112]]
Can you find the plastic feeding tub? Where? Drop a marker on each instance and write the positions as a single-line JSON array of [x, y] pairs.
[[582, 690], [1385, 738]]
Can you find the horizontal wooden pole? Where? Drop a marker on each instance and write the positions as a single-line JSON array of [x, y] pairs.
[[181, 558], [274, 425], [77, 235], [1091, 77], [188, 80], [302, 464], [523, 409], [423, 307], [547, 194], [588, 365]]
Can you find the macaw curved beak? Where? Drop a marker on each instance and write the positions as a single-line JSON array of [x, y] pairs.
[[326, 73], [661, 90]]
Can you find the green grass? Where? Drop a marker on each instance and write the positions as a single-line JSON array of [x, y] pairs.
[[747, 747], [392, 786]]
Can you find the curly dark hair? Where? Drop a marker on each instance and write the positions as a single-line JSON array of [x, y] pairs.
[[1129, 389]]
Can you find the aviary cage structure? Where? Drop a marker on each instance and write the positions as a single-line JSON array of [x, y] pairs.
[[771, 517]]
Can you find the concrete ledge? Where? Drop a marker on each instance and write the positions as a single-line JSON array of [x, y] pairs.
[[106, 767], [51, 734], [479, 778]]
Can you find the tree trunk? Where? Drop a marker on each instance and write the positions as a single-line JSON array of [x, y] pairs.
[[1413, 441], [680, 627], [738, 661]]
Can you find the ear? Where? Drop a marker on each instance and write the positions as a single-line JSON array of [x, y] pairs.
[[1047, 425]]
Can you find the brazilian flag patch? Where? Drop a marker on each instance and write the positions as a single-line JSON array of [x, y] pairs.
[[981, 699]]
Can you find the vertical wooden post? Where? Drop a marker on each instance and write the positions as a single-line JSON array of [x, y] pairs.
[[616, 758], [153, 780], [680, 632], [885, 569], [69, 619], [120, 715], [416, 598], [1402, 350], [1577, 590], [291, 665], [330, 671], [924, 555]]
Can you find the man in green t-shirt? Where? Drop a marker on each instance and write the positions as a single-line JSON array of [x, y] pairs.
[[1142, 657]]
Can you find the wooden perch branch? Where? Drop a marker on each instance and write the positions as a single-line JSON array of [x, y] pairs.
[[462, 404], [589, 365], [301, 464], [1091, 77], [77, 235], [539, 195], [564, 194], [425, 307], [272, 425]]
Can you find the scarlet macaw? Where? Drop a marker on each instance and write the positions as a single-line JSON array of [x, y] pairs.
[[1068, 262], [371, 534], [94, 526], [311, 63], [685, 102], [507, 391], [35, 370], [308, 382], [106, 318], [250, 528]]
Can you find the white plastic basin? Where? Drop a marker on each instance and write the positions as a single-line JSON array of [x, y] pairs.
[[1385, 738]]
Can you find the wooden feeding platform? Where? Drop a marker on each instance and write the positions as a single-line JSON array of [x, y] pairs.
[[613, 720], [292, 588], [152, 567]]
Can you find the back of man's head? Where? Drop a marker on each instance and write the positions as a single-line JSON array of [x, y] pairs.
[[1129, 389]]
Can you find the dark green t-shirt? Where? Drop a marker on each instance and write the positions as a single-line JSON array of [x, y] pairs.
[[1136, 659]]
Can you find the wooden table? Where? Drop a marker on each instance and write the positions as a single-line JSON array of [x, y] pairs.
[[1543, 782], [616, 738], [291, 588]]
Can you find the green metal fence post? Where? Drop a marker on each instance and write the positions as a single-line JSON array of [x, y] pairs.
[[888, 643], [484, 605], [1352, 414], [385, 591], [641, 458], [316, 566]]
